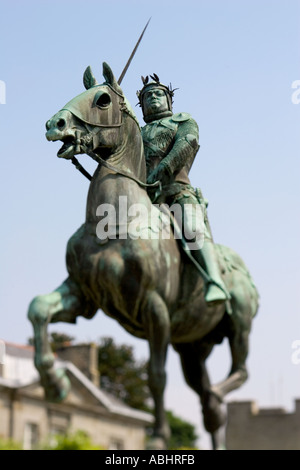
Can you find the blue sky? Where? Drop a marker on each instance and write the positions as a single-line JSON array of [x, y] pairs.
[[234, 62]]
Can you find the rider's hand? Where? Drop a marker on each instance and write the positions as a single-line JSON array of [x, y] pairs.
[[160, 173]]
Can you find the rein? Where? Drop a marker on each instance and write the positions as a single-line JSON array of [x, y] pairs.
[[107, 165]]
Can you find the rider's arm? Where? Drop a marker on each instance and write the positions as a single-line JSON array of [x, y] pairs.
[[181, 154], [184, 148]]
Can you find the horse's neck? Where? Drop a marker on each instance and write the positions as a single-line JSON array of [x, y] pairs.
[[112, 191], [129, 156], [109, 187]]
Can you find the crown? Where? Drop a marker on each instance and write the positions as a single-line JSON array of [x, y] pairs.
[[156, 83]]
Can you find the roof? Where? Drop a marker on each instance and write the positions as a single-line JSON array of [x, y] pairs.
[[18, 350]]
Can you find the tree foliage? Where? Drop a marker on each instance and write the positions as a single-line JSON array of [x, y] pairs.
[[182, 433], [78, 440], [9, 444], [122, 375], [58, 340]]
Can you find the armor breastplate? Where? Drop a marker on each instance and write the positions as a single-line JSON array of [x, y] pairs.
[[158, 138]]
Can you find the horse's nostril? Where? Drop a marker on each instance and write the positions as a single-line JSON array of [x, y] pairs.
[[61, 123], [48, 125]]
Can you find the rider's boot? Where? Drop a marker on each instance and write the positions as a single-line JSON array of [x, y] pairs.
[[216, 290]]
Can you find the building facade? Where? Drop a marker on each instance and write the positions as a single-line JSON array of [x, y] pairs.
[[251, 428]]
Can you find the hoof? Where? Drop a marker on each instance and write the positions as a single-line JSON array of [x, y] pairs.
[[56, 385]]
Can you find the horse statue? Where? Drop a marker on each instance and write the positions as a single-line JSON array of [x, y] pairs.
[[146, 283]]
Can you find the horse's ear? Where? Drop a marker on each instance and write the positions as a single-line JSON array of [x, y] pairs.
[[88, 78], [110, 78]]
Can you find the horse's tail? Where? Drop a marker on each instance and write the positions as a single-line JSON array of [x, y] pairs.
[[232, 263]]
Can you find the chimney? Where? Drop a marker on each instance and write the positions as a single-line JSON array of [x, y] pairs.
[[83, 356]]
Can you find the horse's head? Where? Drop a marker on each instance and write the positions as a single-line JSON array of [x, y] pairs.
[[91, 120]]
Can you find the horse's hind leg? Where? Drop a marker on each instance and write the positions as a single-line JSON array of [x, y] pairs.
[[155, 317], [239, 327], [193, 357], [63, 304]]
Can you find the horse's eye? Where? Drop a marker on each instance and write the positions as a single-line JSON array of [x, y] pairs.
[[103, 101]]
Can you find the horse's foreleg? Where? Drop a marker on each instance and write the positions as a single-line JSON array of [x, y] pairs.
[[157, 326], [63, 304]]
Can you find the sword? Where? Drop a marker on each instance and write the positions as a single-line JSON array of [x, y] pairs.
[[132, 54]]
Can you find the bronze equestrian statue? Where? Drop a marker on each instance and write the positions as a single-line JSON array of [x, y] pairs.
[[147, 283]]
